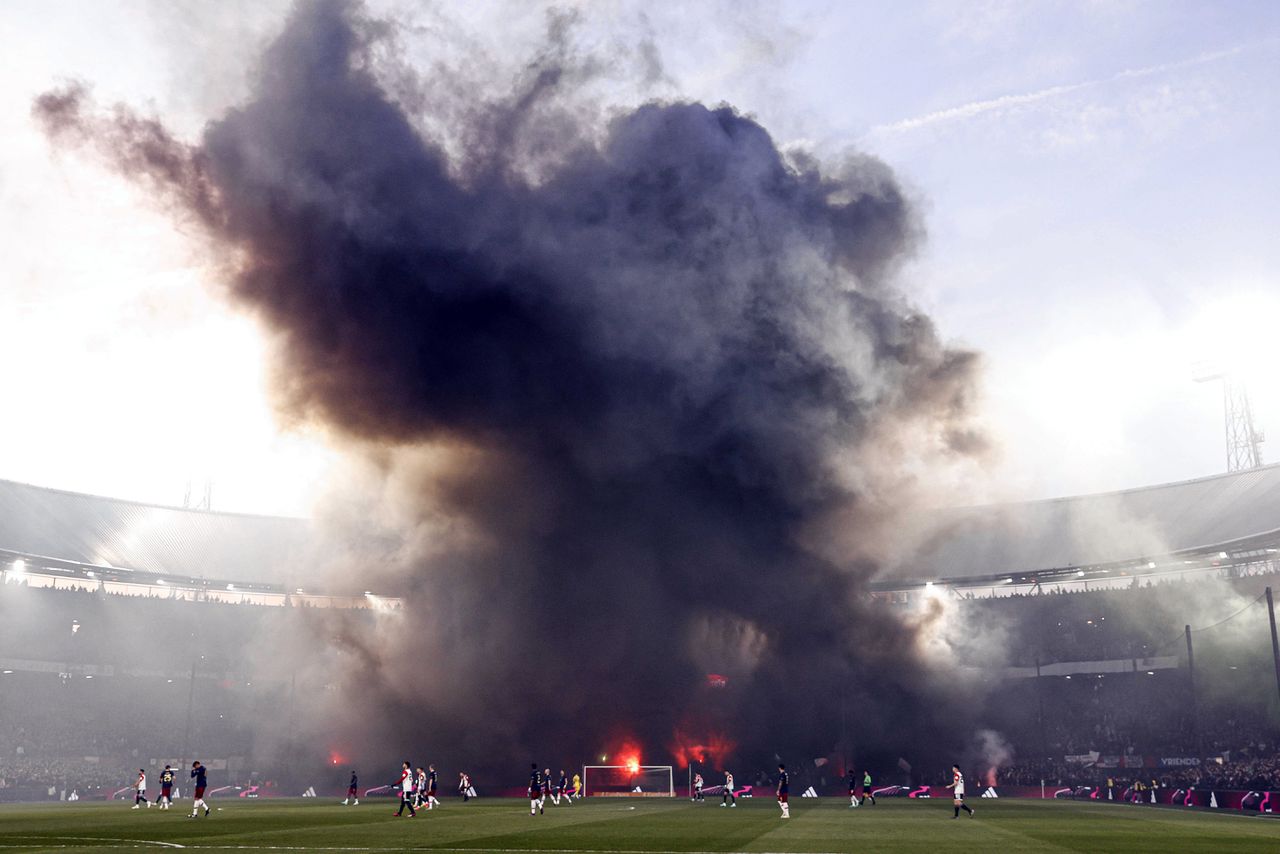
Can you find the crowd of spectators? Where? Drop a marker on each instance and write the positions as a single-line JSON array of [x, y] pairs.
[[82, 734], [63, 774], [1248, 772], [96, 685], [1143, 619]]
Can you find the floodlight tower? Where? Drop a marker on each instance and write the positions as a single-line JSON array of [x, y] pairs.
[[1244, 440]]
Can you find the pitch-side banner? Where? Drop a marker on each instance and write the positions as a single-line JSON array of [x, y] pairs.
[[1178, 762]]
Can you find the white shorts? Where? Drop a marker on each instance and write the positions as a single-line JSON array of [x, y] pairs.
[[959, 793]]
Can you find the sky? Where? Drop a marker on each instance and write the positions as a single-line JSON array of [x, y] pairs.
[[1097, 181]]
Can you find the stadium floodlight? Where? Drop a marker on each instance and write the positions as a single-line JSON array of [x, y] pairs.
[[19, 566], [628, 781], [231, 587]]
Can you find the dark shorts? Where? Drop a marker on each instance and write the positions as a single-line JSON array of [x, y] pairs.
[[199, 792], [782, 797], [534, 794], [165, 790]]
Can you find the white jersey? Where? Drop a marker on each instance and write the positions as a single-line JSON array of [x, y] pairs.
[[957, 783], [406, 781], [142, 783]]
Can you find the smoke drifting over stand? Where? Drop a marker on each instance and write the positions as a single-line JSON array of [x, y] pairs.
[[661, 386]]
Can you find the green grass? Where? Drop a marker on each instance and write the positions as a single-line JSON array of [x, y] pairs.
[[614, 825]]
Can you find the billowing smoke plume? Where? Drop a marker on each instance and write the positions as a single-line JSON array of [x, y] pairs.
[[658, 387]]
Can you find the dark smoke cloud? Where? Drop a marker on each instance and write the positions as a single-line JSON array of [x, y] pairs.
[[656, 369]]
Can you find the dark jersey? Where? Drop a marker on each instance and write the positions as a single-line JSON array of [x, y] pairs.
[[166, 778], [199, 774], [535, 782], [353, 782], [784, 783], [431, 781], [563, 784]]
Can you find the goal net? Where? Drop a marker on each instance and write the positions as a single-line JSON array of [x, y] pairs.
[[622, 781]]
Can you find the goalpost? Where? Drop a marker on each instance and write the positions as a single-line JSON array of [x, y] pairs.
[[628, 781]]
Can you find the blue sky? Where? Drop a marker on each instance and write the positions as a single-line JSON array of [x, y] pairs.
[[1098, 181]]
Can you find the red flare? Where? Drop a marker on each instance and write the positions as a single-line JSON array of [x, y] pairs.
[[711, 748]]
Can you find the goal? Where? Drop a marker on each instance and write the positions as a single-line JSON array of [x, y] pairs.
[[628, 781]]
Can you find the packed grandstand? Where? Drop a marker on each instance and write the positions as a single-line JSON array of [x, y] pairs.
[[131, 635]]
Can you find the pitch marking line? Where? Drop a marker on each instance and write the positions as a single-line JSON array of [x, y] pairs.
[[133, 843], [143, 843]]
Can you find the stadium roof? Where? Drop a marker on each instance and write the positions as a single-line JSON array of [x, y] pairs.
[[110, 532], [1228, 512]]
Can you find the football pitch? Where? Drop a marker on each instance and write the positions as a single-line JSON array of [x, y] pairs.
[[612, 826]]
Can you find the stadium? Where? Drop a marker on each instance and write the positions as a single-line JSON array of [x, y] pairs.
[[1098, 692], [638, 427]]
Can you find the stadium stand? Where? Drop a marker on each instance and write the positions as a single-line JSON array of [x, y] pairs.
[[94, 685], [138, 626]]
